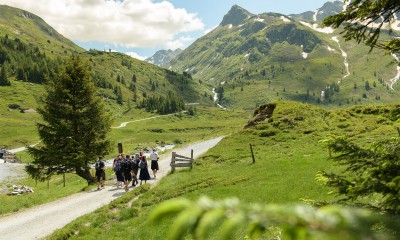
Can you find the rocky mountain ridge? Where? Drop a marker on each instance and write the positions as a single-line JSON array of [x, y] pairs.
[[163, 57]]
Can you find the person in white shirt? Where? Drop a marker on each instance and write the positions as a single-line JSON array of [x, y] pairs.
[[154, 162]]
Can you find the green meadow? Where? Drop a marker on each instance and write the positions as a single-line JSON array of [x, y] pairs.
[[288, 154]]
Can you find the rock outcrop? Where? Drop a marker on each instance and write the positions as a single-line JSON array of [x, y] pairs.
[[260, 114]]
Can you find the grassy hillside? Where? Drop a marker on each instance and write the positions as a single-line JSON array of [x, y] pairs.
[[31, 51], [31, 29], [288, 154]]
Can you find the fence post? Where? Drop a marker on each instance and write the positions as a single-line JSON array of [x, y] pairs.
[[173, 162], [252, 153], [191, 159], [120, 148], [64, 179]]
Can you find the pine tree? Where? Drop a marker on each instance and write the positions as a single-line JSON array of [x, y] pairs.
[[3, 77], [119, 95], [367, 86], [367, 172], [74, 127]]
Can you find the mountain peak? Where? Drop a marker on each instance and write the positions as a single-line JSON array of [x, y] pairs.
[[236, 16], [163, 57]]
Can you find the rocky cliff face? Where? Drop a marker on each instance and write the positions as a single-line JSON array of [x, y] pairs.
[[328, 9], [163, 57], [236, 16]]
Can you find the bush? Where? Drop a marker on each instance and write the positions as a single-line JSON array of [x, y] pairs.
[[13, 106], [267, 133]]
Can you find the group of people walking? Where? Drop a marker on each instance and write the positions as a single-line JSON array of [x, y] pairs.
[[128, 169]]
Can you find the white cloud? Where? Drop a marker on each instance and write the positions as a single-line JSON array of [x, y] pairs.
[[179, 42], [129, 23], [135, 55]]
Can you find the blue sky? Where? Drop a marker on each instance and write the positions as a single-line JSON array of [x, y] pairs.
[[141, 27]]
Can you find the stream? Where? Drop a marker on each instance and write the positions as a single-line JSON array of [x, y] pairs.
[[344, 54], [394, 80]]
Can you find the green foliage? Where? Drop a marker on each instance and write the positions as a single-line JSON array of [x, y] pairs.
[[3, 77], [293, 35], [285, 52], [364, 20], [70, 109], [368, 172], [192, 111], [27, 62], [163, 105], [220, 93], [231, 216]]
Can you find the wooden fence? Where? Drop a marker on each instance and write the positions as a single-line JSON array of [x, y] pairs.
[[181, 161], [9, 158]]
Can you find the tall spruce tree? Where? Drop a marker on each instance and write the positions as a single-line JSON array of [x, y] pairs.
[[74, 127], [3, 77]]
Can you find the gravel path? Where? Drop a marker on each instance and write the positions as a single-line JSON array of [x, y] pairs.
[[10, 170], [41, 221], [122, 125]]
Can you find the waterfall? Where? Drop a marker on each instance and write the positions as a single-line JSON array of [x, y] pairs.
[[394, 80], [344, 54]]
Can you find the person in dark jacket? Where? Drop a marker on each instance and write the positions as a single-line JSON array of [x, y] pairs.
[[135, 170], [100, 172], [117, 170], [126, 169]]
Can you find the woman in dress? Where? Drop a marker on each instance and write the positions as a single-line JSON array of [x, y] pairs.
[[144, 171]]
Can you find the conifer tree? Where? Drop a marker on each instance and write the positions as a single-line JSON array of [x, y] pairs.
[[74, 127], [367, 172], [3, 77]]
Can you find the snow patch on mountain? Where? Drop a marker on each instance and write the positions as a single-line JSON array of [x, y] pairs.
[[259, 19], [317, 28], [285, 19], [315, 15], [330, 49], [346, 5]]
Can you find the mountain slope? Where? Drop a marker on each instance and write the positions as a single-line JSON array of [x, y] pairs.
[[31, 29], [31, 51], [270, 56]]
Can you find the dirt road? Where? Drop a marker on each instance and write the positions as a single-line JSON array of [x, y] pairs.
[[122, 125], [40, 221]]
